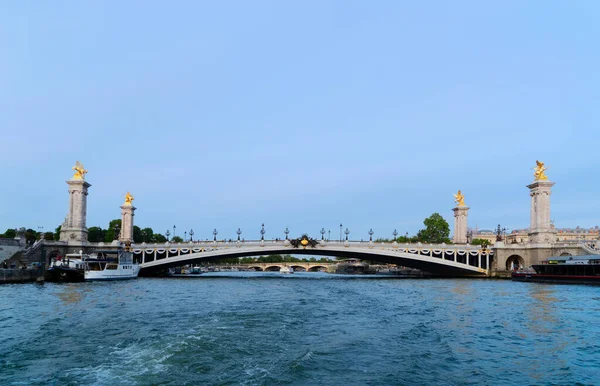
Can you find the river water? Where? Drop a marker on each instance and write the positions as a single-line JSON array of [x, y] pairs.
[[306, 328]]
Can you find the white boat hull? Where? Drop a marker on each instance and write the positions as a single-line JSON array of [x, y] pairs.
[[121, 273]]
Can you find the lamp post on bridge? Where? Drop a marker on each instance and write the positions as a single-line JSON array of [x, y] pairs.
[[286, 231], [499, 233], [322, 234], [215, 233], [239, 232], [406, 241], [347, 232], [340, 232], [184, 236], [167, 233], [262, 232], [395, 233], [329, 235], [371, 234], [191, 235], [174, 231]]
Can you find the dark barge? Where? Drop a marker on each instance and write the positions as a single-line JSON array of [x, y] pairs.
[[564, 269]]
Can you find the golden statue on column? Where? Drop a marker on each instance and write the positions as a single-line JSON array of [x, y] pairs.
[[128, 199], [539, 174], [459, 198], [79, 171]]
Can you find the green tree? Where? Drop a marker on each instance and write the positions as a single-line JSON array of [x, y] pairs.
[[147, 235], [96, 234], [49, 236], [137, 234], [158, 238], [436, 230], [230, 260], [270, 259], [112, 233], [483, 242], [30, 236], [57, 233], [399, 239], [10, 233], [177, 239]]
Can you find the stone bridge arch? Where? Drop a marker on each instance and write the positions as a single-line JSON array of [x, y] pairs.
[[272, 268], [438, 260], [514, 262]]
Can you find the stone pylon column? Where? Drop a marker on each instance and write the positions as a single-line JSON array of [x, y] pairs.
[[127, 213], [540, 229], [461, 214], [73, 229]]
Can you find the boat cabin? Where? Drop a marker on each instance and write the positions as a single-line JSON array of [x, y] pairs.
[[588, 265]]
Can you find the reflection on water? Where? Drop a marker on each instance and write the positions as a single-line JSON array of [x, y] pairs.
[[70, 293], [242, 328], [542, 319]]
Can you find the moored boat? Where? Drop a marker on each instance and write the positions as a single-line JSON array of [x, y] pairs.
[[563, 269], [286, 270], [67, 269], [185, 272], [110, 265]]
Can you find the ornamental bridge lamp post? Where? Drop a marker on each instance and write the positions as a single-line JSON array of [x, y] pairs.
[[371, 235], [347, 232], [215, 233], [322, 234], [191, 235], [167, 233], [262, 235], [239, 232], [286, 231]]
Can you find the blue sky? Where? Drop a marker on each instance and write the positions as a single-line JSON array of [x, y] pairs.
[[300, 114]]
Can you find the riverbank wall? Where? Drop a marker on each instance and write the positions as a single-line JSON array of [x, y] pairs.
[[8, 276]]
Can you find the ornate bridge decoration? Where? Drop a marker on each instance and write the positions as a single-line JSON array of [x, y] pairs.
[[437, 259]]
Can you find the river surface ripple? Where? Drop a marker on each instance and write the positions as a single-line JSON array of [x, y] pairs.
[[267, 328]]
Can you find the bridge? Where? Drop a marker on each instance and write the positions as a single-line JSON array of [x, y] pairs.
[[308, 266], [437, 259]]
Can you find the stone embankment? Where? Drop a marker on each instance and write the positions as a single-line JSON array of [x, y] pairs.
[[8, 248], [8, 276]]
